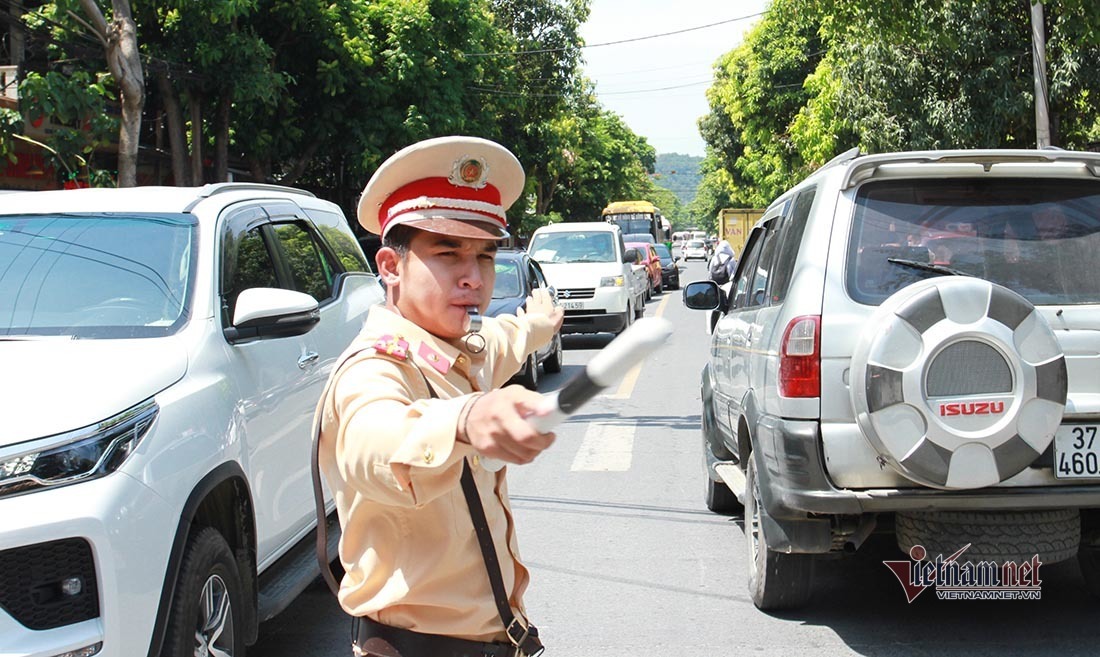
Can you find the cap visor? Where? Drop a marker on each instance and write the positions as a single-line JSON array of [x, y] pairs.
[[478, 230]]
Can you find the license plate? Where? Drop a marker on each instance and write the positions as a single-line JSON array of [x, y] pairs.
[[1077, 451], [572, 305]]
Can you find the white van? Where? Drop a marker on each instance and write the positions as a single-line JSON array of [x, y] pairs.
[[591, 269]]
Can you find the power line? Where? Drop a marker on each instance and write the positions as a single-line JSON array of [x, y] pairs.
[[645, 91], [611, 43]]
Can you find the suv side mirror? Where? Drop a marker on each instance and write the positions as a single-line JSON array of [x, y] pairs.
[[703, 295], [630, 255], [265, 312]]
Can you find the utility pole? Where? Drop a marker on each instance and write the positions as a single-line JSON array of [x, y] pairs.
[[1039, 64]]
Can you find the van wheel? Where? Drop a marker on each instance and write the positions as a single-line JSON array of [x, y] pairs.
[[776, 580], [628, 317], [205, 617]]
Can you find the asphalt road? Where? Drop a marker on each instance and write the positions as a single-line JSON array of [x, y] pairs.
[[626, 560]]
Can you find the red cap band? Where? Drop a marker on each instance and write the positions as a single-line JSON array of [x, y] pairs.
[[433, 198]]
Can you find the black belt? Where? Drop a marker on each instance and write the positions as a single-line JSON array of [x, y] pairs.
[[377, 640]]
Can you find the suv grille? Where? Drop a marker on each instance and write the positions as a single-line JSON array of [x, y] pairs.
[[31, 579]]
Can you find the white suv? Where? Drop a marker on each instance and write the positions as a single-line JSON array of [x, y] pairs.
[[911, 344], [163, 350]]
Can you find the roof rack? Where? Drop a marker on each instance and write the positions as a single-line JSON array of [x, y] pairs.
[[218, 188], [850, 154], [867, 166]]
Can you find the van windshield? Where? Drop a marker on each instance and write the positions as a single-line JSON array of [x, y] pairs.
[[1036, 237], [578, 246]]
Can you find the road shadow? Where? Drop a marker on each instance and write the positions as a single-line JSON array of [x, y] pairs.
[[859, 598]]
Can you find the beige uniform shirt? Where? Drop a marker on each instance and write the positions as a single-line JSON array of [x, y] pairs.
[[389, 454]]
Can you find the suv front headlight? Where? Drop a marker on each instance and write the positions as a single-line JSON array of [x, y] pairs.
[[611, 281], [79, 455]]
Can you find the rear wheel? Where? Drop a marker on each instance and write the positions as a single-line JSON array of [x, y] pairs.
[[776, 580], [529, 378], [205, 618], [554, 361]]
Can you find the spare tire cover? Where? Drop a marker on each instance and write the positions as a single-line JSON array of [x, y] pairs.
[[958, 383]]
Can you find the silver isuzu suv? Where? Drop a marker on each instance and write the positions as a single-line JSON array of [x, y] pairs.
[[911, 344]]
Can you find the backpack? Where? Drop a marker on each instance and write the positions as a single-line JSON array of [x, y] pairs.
[[719, 270]]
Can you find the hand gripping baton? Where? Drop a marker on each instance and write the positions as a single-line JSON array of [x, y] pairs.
[[608, 365]]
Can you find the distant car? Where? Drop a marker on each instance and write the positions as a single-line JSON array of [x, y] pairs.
[[652, 263], [694, 250], [593, 273], [165, 350], [517, 275], [670, 267]]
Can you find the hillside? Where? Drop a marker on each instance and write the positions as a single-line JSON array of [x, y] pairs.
[[679, 174]]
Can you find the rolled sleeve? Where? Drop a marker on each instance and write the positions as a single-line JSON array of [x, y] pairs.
[[519, 336]]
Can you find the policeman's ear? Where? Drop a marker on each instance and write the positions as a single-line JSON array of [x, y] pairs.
[[387, 259]]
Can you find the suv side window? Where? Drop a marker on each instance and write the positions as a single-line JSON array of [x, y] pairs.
[[790, 238], [248, 264], [536, 275], [334, 229], [746, 268], [308, 267], [762, 269]]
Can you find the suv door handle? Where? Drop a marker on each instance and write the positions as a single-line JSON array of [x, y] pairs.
[[308, 359]]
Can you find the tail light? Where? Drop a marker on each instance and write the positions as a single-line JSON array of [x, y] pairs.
[[800, 358]]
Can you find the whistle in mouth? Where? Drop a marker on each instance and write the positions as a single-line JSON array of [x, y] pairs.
[[475, 319]]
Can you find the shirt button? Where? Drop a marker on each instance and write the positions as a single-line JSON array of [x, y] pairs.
[[429, 456], [477, 459], [460, 359]]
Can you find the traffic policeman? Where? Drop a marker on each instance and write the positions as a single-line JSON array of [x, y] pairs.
[[428, 540]]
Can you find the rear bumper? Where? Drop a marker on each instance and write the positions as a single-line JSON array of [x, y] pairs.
[[794, 483]]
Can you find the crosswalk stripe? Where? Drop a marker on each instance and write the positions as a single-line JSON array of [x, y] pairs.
[[606, 448]]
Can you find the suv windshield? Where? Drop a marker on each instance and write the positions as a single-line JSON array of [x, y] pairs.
[[1037, 237], [573, 247], [95, 276]]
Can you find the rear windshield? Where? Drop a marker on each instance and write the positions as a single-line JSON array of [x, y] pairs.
[[579, 246], [1037, 237], [95, 276], [507, 284]]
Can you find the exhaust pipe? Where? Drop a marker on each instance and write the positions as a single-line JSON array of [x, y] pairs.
[[867, 524]]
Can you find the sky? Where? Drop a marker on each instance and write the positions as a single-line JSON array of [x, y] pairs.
[[658, 85]]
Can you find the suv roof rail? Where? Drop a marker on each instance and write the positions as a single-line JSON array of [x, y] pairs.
[[211, 189], [850, 154], [867, 166]]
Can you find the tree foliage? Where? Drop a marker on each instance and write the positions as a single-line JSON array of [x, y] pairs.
[[317, 94], [817, 77]]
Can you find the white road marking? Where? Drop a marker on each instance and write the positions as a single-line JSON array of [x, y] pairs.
[[626, 387], [606, 448]]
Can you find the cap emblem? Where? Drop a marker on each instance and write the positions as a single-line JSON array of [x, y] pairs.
[[470, 172]]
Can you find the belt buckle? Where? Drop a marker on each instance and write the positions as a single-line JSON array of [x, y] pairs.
[[518, 643]]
